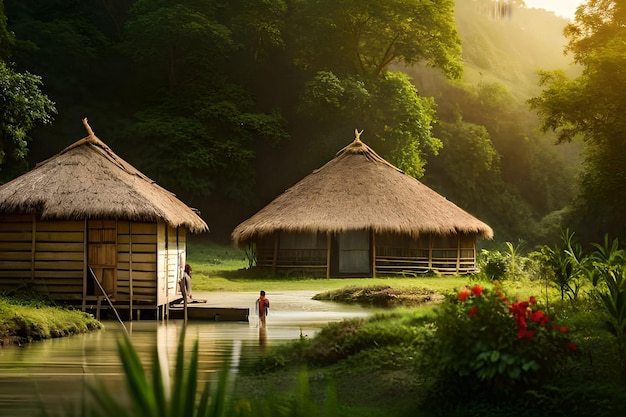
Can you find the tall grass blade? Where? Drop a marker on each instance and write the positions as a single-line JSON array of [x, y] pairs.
[[159, 386], [138, 384]]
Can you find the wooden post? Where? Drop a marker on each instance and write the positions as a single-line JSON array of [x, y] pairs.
[[328, 252], [458, 253], [86, 264], [474, 266], [130, 269], [33, 247], [430, 252], [373, 243], [274, 261], [98, 304]]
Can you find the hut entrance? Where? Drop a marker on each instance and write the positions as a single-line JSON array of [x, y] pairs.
[[354, 252], [102, 255]]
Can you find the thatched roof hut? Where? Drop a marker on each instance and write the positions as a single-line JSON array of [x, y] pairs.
[[87, 180], [360, 191], [85, 224]]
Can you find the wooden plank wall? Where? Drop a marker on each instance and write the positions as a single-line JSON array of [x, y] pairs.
[[162, 284], [137, 241], [176, 258], [47, 255], [16, 253], [172, 258]]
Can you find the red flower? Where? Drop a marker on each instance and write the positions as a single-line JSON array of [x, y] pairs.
[[473, 311], [477, 290], [532, 300], [572, 346], [519, 311], [536, 316], [563, 329], [540, 318], [525, 334], [464, 294]]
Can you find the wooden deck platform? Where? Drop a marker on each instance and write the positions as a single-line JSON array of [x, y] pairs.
[[200, 311]]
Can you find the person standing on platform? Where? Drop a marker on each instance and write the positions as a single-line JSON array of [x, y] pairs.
[[185, 283]]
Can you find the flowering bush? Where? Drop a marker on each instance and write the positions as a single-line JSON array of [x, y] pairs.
[[483, 336]]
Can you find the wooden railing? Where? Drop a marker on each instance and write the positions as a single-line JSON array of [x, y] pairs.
[[292, 258], [413, 261], [413, 266]]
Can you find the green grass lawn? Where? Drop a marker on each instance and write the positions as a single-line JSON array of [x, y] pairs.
[[225, 268]]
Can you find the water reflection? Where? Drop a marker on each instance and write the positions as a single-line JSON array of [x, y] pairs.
[[55, 372]]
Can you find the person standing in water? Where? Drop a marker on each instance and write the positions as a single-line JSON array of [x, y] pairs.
[[262, 308]]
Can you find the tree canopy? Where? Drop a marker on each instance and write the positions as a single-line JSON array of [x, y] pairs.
[[23, 106], [229, 103], [590, 107]]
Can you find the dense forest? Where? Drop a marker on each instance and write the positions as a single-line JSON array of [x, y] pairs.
[[228, 103]]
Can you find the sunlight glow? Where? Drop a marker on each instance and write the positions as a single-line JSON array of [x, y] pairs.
[[564, 8]]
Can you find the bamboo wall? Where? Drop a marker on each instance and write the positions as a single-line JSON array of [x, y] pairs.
[[171, 261], [136, 242], [445, 254], [394, 254], [46, 255], [293, 252], [50, 257]]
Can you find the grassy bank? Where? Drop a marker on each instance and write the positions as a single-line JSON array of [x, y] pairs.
[[26, 318], [380, 366], [388, 365], [403, 363]]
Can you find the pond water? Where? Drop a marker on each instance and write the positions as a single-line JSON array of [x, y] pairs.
[[55, 373]]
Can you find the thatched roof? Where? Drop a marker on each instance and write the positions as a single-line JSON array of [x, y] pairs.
[[87, 180], [360, 190]]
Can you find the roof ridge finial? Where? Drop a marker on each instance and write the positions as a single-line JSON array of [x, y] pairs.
[[357, 135], [89, 131]]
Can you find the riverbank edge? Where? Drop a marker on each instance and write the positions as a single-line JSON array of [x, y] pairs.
[[24, 321]]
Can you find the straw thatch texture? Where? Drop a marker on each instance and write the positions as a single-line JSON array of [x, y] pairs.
[[87, 180], [359, 190]]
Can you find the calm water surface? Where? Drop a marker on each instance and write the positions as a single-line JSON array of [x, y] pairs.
[[55, 372]]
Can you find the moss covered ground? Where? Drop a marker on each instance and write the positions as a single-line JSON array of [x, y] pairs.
[[26, 317]]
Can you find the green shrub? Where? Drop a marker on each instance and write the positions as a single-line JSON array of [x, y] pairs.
[[341, 340], [493, 264], [485, 342]]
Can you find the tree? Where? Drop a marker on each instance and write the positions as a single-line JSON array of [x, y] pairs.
[[591, 107], [7, 39], [176, 38], [366, 36], [194, 124], [348, 48], [22, 107], [398, 121]]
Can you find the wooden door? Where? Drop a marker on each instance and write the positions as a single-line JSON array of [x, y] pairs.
[[102, 254], [354, 252]]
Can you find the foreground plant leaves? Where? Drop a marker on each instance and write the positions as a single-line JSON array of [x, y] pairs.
[[159, 397]]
